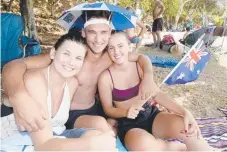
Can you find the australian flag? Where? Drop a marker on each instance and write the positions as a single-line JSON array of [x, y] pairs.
[[192, 64]]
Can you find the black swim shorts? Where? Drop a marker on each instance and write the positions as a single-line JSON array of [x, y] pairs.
[[157, 25], [95, 110], [143, 121]]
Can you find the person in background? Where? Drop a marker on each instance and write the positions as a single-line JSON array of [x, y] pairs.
[[136, 39], [158, 10], [189, 23], [187, 32]]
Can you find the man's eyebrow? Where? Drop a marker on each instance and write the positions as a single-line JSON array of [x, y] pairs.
[[67, 51], [120, 43], [90, 30]]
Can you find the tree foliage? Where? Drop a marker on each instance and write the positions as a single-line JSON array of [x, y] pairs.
[[175, 13]]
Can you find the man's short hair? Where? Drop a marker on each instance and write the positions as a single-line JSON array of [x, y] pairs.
[[86, 15]]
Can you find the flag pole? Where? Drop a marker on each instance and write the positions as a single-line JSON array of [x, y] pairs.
[[193, 47]]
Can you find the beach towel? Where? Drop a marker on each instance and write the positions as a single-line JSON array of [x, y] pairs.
[[163, 61], [224, 110], [214, 131]]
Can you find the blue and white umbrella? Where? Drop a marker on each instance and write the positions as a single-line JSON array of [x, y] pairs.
[[121, 18]]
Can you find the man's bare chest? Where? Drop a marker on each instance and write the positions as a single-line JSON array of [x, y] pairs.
[[89, 75]]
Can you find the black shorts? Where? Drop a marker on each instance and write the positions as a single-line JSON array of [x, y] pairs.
[[95, 110], [5, 110], [144, 121], [157, 25]]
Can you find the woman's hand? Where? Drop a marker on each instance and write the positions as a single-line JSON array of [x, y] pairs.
[[190, 125], [134, 110]]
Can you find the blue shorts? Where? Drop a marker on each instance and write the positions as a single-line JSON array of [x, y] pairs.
[[135, 39], [22, 141]]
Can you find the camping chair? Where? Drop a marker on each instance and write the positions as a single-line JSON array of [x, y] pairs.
[[208, 39], [14, 44], [183, 47]]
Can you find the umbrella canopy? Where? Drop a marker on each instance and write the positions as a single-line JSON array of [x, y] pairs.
[[121, 18]]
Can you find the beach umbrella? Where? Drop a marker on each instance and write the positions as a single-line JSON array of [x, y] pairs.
[[121, 19]]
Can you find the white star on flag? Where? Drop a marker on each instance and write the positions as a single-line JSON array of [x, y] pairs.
[[198, 72], [181, 76]]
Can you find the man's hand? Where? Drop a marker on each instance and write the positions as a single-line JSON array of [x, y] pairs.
[[29, 116], [147, 87], [103, 142]]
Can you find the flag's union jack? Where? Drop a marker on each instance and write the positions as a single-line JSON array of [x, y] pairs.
[[195, 56]]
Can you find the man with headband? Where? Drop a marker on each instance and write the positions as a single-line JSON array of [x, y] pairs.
[[85, 111]]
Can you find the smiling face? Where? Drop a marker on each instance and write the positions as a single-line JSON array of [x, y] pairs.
[[118, 48], [97, 36], [68, 58]]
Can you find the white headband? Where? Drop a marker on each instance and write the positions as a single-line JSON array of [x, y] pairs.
[[96, 21]]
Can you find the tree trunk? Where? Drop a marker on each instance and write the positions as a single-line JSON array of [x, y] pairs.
[[180, 10], [26, 9], [10, 5], [4, 5], [52, 8], [204, 16], [192, 9]]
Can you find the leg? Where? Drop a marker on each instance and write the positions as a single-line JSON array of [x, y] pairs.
[[168, 125], [159, 30], [158, 33], [154, 30], [131, 47], [88, 121], [91, 133], [138, 44], [147, 142], [98, 138], [154, 38], [80, 132]]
